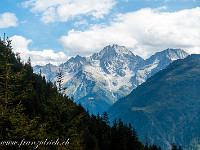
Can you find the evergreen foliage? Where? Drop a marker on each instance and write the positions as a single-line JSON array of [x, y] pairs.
[[32, 109], [174, 147]]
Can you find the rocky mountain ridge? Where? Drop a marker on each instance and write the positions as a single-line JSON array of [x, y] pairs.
[[100, 80]]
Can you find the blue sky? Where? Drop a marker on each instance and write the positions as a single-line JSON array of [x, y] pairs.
[[53, 31]]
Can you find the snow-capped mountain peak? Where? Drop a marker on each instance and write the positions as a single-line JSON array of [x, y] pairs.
[[157, 62], [175, 54], [115, 50], [171, 54], [108, 75], [120, 50]]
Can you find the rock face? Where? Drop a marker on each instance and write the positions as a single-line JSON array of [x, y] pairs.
[[100, 80], [166, 106], [49, 71], [158, 62]]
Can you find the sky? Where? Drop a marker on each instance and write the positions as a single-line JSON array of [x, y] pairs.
[[52, 31]]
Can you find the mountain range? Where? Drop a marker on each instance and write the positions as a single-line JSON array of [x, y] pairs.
[[166, 106], [98, 81]]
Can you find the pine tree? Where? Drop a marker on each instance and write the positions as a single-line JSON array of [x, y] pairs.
[[60, 81], [179, 148], [4, 76], [14, 124], [174, 146], [105, 117], [147, 141]]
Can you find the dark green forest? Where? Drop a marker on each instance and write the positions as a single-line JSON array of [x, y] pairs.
[[33, 109]]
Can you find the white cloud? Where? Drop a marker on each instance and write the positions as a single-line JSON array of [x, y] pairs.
[[63, 10], [8, 20], [144, 32], [20, 45]]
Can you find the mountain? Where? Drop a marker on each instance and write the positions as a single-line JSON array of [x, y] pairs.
[[157, 62], [100, 80], [49, 71], [31, 108], [166, 106], [104, 78]]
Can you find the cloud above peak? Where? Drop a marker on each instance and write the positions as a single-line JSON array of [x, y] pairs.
[[144, 32], [64, 10]]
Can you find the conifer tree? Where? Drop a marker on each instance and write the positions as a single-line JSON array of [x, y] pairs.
[[105, 117], [14, 124], [60, 81], [174, 146]]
